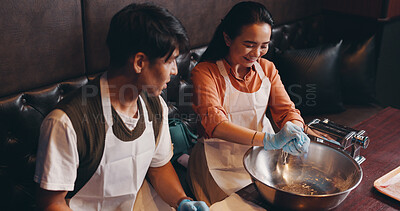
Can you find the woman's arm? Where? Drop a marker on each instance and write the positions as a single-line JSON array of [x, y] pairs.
[[238, 134], [281, 107], [241, 135]]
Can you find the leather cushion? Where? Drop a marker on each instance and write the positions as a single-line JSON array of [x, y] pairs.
[[357, 71], [311, 78]]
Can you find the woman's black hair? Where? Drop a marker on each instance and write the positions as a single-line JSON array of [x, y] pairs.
[[242, 14], [144, 28]]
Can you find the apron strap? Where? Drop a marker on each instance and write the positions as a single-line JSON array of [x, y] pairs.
[[154, 111], [105, 100], [259, 70], [222, 70]]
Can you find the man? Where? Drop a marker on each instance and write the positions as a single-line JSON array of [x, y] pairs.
[[99, 144]]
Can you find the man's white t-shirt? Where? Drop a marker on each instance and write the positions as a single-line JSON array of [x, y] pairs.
[[58, 160]]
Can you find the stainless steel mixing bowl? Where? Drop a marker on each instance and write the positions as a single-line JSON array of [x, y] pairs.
[[319, 180]]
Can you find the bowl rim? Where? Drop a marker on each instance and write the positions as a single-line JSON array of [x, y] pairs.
[[307, 195]]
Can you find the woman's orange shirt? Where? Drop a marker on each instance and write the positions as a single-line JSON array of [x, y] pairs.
[[209, 92]]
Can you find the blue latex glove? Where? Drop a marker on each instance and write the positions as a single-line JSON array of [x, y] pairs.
[[291, 138], [298, 147], [188, 205]]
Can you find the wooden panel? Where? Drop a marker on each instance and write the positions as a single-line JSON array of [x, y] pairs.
[[393, 8], [200, 18], [40, 43], [388, 69], [369, 8]]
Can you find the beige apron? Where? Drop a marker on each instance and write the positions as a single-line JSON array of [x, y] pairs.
[[225, 159], [122, 169]]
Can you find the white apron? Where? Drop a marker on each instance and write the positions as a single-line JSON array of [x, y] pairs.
[[225, 159], [122, 169]]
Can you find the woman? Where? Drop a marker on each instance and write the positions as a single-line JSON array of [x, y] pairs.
[[233, 86]]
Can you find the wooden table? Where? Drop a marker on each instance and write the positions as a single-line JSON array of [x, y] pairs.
[[382, 156]]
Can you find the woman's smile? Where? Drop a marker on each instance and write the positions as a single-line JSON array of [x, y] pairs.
[[249, 46]]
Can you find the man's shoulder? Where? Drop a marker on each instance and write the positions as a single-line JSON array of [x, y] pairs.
[[82, 99], [57, 116], [89, 91]]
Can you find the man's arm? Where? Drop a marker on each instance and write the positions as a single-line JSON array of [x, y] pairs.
[[166, 182], [57, 142], [51, 200]]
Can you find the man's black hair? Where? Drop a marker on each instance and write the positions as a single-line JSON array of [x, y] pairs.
[[145, 28]]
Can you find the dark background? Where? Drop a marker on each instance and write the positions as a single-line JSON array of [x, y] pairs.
[[47, 41]]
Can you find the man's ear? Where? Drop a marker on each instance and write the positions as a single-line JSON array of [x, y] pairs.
[[227, 39], [138, 62]]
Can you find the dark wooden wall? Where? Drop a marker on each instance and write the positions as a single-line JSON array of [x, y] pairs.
[[378, 9], [47, 41], [40, 42], [388, 72], [200, 18]]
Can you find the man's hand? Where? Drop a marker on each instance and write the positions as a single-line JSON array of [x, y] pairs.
[[188, 205]]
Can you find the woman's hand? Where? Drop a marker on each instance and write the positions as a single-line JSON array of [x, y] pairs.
[[291, 138]]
